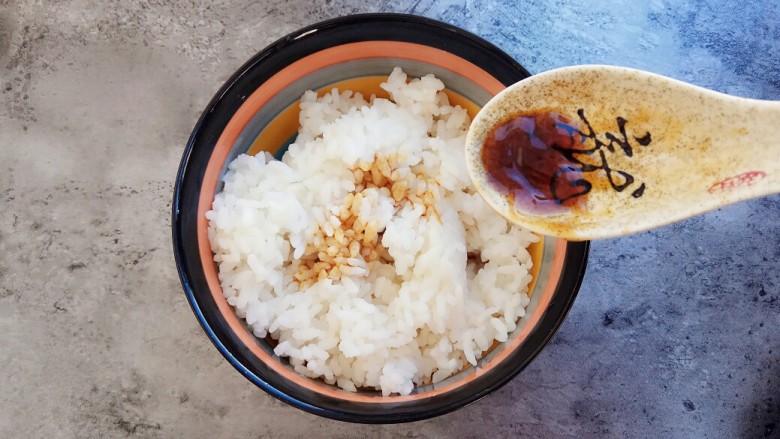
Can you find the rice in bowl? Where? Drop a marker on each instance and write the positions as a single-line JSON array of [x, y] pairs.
[[366, 252]]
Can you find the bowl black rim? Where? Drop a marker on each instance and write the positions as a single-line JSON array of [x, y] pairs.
[[230, 95]]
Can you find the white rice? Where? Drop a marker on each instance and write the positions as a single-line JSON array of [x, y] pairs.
[[366, 252]]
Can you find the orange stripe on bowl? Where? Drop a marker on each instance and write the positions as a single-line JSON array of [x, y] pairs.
[[288, 75]]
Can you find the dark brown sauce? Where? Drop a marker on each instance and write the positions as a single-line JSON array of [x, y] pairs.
[[523, 159]]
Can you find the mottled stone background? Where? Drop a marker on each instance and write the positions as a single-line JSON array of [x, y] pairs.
[[674, 333]]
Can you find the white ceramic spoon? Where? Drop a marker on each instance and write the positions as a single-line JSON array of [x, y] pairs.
[[648, 151]]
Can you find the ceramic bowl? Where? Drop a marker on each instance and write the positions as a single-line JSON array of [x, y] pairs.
[[257, 110]]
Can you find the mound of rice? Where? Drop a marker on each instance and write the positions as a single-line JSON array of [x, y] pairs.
[[366, 252]]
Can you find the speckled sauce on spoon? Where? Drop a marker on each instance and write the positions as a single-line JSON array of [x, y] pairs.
[[591, 152]]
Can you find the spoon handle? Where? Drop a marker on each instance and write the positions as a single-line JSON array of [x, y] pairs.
[[704, 150], [745, 162]]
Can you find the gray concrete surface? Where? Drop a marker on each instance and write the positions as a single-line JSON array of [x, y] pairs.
[[674, 334]]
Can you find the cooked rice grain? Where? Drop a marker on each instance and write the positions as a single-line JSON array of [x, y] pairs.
[[366, 252]]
